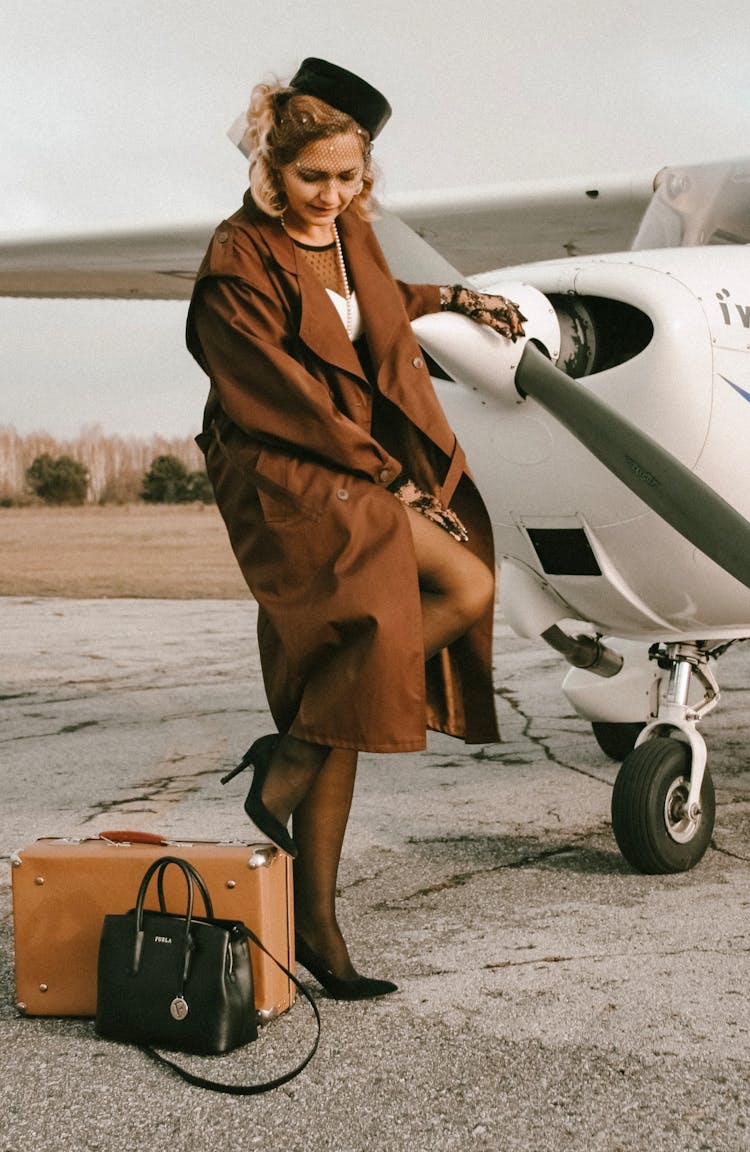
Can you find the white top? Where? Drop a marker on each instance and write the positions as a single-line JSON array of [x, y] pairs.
[[339, 303]]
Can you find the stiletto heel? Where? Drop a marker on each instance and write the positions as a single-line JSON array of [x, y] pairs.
[[260, 755], [256, 753], [355, 988]]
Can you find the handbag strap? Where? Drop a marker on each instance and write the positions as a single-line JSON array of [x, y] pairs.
[[266, 1085]]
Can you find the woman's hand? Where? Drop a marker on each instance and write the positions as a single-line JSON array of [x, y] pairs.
[[494, 311]]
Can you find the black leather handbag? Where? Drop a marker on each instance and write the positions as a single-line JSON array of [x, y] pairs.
[[181, 981]]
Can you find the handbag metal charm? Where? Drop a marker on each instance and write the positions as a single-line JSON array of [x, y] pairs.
[[179, 1008]]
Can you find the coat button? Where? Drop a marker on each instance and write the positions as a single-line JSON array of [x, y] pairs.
[[222, 237], [342, 494], [385, 476], [418, 362]]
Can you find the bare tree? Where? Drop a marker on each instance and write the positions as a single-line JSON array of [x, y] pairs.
[[115, 464]]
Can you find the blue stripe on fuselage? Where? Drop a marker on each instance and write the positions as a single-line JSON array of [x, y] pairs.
[[745, 395]]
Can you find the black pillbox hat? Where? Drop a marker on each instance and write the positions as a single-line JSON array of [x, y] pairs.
[[343, 90]]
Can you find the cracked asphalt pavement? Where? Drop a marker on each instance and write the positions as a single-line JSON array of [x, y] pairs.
[[550, 998]]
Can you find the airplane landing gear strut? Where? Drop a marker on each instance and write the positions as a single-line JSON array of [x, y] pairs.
[[663, 804]]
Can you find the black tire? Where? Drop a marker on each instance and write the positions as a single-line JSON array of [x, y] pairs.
[[651, 830], [616, 740]]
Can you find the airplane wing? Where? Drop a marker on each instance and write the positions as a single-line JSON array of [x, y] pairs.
[[430, 237], [486, 228], [148, 264]]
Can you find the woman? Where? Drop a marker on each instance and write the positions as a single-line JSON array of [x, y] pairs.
[[344, 491]]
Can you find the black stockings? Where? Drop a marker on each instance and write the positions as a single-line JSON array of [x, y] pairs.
[[318, 828]]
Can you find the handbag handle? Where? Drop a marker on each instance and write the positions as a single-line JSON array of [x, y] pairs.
[[192, 876], [196, 877], [159, 865]]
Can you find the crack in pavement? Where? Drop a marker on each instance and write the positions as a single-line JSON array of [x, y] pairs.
[[587, 957], [66, 730], [109, 724], [607, 957], [728, 852], [538, 741], [459, 879], [164, 791]]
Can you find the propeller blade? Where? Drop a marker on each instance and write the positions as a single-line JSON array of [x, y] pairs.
[[669, 488]]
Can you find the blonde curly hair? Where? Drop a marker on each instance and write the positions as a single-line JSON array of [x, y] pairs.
[[280, 123]]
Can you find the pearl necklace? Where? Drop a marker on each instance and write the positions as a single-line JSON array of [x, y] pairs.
[[345, 281], [342, 270]]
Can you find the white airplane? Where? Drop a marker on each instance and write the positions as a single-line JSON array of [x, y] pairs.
[[609, 443]]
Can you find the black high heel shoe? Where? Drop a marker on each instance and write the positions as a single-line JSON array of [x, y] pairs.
[[355, 988], [260, 755]]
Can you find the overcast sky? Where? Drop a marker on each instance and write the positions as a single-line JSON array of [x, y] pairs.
[[115, 115]]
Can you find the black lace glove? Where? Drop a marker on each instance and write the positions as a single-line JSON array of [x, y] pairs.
[[494, 311]]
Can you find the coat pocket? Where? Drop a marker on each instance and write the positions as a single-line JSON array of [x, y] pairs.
[[288, 488]]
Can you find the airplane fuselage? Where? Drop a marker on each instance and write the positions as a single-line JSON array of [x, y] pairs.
[[663, 338]]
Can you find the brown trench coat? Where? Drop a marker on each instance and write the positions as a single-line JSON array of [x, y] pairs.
[[300, 449]]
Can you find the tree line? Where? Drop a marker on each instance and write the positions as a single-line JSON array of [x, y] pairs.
[[99, 468]]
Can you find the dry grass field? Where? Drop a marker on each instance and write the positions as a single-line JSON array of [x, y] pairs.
[[176, 552]]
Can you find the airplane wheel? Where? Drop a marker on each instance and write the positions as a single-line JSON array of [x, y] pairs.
[[652, 829], [616, 740]]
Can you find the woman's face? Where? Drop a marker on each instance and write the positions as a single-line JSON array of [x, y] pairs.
[[323, 180]]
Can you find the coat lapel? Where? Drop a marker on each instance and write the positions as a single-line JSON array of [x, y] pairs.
[[320, 325], [386, 324]]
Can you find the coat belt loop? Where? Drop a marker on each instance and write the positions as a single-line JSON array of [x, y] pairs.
[[456, 469]]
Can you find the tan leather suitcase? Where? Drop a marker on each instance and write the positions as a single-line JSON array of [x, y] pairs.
[[62, 889]]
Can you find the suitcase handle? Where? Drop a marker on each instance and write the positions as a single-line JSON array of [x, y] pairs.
[[125, 837]]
